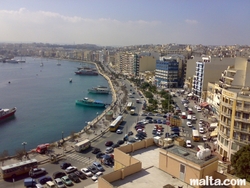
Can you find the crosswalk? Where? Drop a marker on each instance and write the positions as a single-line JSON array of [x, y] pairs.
[[78, 158]]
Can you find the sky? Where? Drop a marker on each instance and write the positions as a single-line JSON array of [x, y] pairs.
[[125, 22]]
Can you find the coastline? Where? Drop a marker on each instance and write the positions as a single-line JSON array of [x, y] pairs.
[[86, 130]]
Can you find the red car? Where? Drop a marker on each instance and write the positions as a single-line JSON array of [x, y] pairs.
[[109, 143]]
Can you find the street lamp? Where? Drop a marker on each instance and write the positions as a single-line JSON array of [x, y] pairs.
[[62, 136], [24, 144]]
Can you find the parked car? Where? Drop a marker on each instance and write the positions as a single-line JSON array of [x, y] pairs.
[[109, 143], [58, 175], [198, 109], [73, 177], [70, 169], [120, 142], [109, 150], [188, 144], [154, 131], [93, 169], [80, 174], [204, 137], [98, 166], [96, 150], [154, 120], [115, 146], [130, 133], [194, 118], [150, 121], [95, 177], [159, 121], [44, 179], [66, 180], [87, 172], [148, 117], [59, 183], [99, 155], [35, 172], [201, 130], [189, 124], [65, 165]]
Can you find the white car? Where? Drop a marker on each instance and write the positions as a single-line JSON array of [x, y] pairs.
[[201, 130], [86, 172], [194, 118], [188, 144], [189, 124], [198, 109], [204, 137], [200, 125], [95, 177], [59, 183], [119, 131], [109, 150], [70, 169], [185, 105]]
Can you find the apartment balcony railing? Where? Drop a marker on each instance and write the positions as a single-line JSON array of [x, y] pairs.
[[244, 109], [226, 104], [225, 124], [243, 130], [226, 114], [246, 120]]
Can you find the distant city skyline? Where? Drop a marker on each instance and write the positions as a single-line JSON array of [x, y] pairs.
[[125, 22]]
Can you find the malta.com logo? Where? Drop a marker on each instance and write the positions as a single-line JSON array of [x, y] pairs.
[[208, 180]]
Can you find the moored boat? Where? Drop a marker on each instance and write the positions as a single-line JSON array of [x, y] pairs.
[[5, 113], [90, 102], [11, 61], [87, 72], [99, 90]]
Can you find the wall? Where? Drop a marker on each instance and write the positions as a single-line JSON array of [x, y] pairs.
[[147, 63]]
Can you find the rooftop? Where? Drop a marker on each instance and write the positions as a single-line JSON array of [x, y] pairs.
[[190, 155]]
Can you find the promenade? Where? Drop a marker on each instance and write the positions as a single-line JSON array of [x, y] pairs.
[[92, 131]]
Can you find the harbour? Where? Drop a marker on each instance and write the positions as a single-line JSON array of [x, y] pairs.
[[45, 101]]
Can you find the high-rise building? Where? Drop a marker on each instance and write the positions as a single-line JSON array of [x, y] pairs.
[[166, 73]]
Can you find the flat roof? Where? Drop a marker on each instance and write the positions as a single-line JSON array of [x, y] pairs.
[[190, 155], [150, 175]]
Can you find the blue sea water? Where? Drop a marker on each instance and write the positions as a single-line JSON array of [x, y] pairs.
[[45, 101]]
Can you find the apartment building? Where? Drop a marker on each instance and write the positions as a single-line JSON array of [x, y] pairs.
[[232, 94], [201, 70], [166, 73]]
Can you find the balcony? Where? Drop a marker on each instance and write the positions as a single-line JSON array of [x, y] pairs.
[[225, 124], [245, 120], [243, 109], [226, 104], [226, 114]]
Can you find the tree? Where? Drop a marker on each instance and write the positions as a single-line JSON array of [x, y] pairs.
[[19, 154], [241, 163], [149, 94], [4, 155]]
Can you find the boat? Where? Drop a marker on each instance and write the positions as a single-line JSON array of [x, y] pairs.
[[21, 61], [70, 80], [87, 72], [99, 89], [90, 102], [41, 64], [58, 64], [11, 61], [5, 113]]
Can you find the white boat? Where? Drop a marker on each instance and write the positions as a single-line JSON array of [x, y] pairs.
[[99, 90], [70, 80], [41, 64], [58, 64], [11, 61]]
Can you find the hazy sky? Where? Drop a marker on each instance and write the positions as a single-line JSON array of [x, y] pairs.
[[126, 22]]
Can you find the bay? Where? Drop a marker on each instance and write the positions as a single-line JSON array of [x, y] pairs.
[[45, 101]]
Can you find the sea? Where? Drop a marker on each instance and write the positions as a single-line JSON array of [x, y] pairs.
[[45, 101]]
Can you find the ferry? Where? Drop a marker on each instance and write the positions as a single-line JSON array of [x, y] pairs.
[[87, 72], [90, 102], [5, 113], [99, 90]]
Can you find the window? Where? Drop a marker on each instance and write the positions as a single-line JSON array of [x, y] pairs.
[[234, 146], [239, 104], [182, 168]]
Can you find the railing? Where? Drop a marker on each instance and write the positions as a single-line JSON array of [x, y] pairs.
[[226, 114], [245, 109], [225, 124], [226, 104]]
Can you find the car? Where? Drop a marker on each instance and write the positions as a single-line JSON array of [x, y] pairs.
[[189, 124], [194, 118], [158, 133], [185, 105], [148, 118], [95, 177], [65, 165], [73, 177], [109, 150], [66, 180], [86, 172], [38, 185], [164, 121], [150, 121], [35, 172], [188, 144], [93, 169], [150, 114], [58, 175], [99, 155], [59, 183], [204, 137], [98, 166], [154, 120], [70, 169], [120, 142], [50, 184], [44, 179], [130, 133], [154, 131], [109, 143], [115, 146], [198, 109], [143, 114], [119, 131], [96, 150], [201, 130], [157, 114], [80, 174], [159, 121], [200, 124]]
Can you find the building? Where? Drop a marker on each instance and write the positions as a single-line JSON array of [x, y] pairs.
[[147, 61], [201, 70], [231, 94], [166, 73], [127, 63]]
